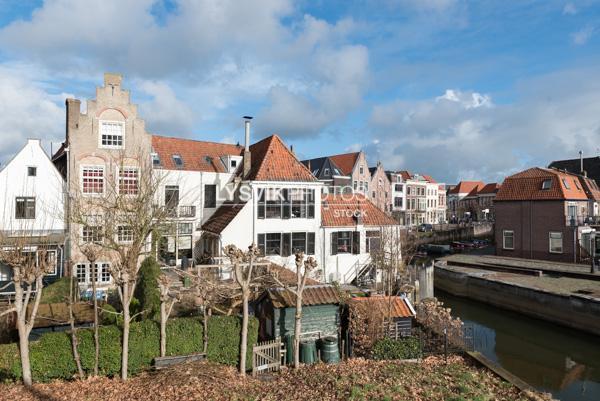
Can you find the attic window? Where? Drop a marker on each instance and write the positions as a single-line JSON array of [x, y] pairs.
[[178, 161], [233, 163], [546, 184], [208, 159], [326, 171], [577, 184], [566, 184], [155, 159]]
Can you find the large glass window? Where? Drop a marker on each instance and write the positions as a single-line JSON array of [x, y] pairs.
[[124, 234], [171, 197], [93, 180], [556, 242], [111, 134], [284, 203], [508, 239], [25, 207], [91, 234], [286, 244]]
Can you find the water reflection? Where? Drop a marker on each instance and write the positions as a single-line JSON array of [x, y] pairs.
[[554, 359]]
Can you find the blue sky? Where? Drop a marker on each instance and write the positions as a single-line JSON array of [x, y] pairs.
[[451, 88]]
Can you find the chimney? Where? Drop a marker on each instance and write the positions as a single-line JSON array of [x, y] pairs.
[[73, 111], [247, 156], [581, 162]]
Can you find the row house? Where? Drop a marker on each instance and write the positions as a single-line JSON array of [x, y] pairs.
[[31, 211], [381, 188], [478, 205], [347, 172], [455, 194], [543, 214], [417, 199]]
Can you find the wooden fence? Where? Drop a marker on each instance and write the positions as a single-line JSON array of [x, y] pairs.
[[267, 356]]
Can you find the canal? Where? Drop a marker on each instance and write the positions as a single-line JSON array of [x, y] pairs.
[[553, 359]]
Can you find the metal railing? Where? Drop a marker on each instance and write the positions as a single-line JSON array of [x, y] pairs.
[[180, 211], [581, 220]]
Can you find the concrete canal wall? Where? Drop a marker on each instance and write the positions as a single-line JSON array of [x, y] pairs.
[[580, 312]]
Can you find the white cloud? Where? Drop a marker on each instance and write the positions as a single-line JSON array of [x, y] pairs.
[[28, 111], [569, 9], [582, 36], [451, 140], [165, 114]]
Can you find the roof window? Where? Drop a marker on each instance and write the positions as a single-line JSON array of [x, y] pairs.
[[577, 184], [155, 159], [547, 184], [566, 183], [178, 161]]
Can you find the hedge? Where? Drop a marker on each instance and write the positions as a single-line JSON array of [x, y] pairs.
[[52, 358], [405, 348]]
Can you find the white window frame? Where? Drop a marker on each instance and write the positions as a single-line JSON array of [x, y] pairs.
[[92, 166], [137, 179], [124, 240], [550, 242], [504, 232], [103, 275], [100, 125]]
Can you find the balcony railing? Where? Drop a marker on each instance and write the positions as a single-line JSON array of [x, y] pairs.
[[579, 220], [181, 211]]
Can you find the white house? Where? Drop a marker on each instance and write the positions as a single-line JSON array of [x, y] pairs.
[[353, 229], [32, 205]]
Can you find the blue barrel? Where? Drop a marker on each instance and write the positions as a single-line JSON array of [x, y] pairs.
[[308, 352], [330, 352]]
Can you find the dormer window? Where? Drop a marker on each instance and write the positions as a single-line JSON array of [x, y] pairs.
[[178, 161], [233, 163], [566, 183], [155, 159], [547, 184], [326, 172], [112, 134]]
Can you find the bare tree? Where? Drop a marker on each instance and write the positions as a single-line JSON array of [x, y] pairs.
[[74, 339], [92, 253], [304, 269], [28, 270], [247, 276], [127, 215], [168, 297]]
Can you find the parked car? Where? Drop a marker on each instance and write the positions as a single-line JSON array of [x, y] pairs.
[[425, 228]]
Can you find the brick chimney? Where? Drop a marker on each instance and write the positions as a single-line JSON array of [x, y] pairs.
[[73, 111], [247, 155]]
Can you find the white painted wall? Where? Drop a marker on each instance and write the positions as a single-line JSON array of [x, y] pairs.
[[47, 187]]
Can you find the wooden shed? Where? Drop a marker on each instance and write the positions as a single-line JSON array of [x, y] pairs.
[[276, 311], [394, 309]]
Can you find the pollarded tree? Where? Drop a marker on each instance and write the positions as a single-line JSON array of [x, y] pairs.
[[126, 214], [169, 295], [28, 270]]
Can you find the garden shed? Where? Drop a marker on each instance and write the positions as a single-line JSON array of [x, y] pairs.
[[276, 310], [393, 309]]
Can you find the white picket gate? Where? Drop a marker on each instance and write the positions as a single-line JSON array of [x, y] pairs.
[[267, 356]]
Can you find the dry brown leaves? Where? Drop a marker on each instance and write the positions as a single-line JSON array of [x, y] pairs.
[[356, 379]]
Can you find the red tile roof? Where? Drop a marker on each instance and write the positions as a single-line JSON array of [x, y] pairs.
[[339, 211], [273, 161], [590, 187], [222, 217], [527, 185], [196, 155], [429, 178], [490, 188], [346, 161], [406, 175], [464, 187], [395, 306]]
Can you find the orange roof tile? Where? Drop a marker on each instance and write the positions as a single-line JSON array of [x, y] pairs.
[[397, 306], [464, 187], [196, 155], [527, 185], [222, 217], [339, 211], [345, 161], [429, 178], [490, 188], [406, 175], [273, 161]]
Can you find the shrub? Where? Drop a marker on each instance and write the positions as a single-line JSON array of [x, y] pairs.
[[57, 292], [146, 291], [405, 348], [52, 358], [108, 315]]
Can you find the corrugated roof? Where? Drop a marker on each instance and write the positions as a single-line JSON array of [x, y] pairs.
[[196, 155], [273, 161], [222, 217], [397, 306], [323, 294], [340, 211], [527, 185]]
